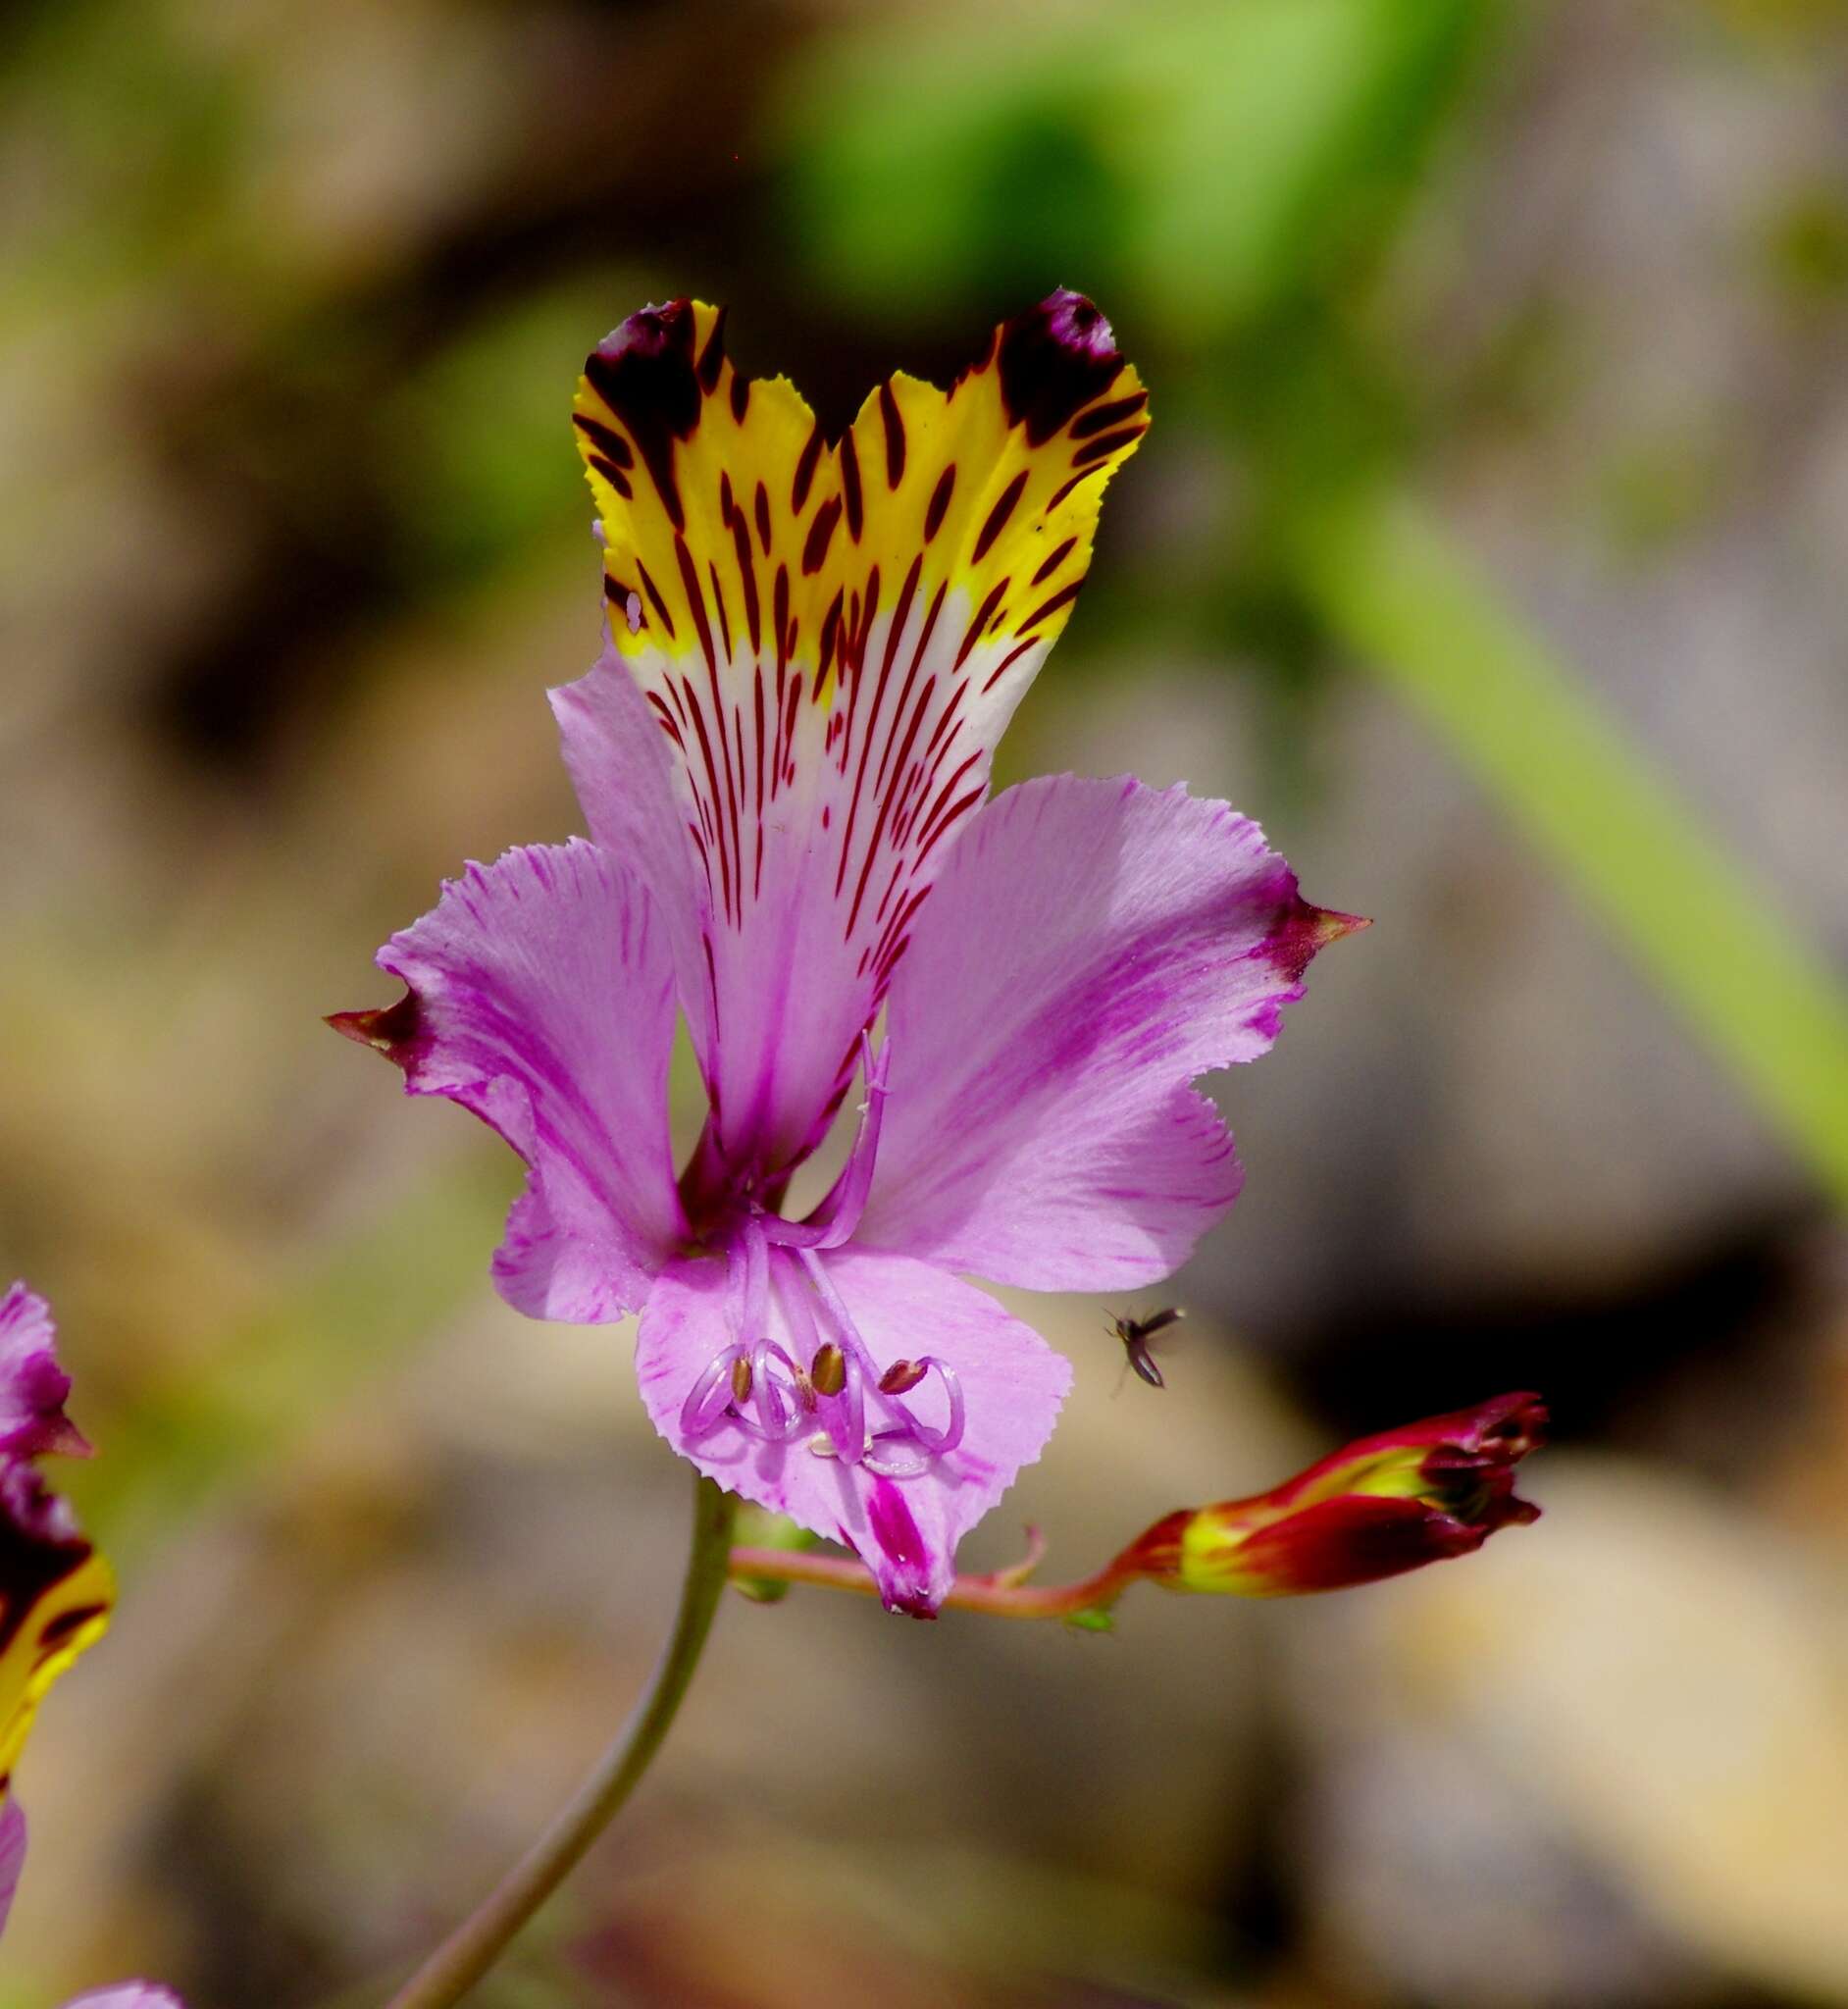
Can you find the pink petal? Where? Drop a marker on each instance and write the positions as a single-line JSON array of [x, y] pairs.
[[905, 1529], [618, 760], [1090, 947], [541, 997], [12, 1853], [824, 644], [32, 1385]]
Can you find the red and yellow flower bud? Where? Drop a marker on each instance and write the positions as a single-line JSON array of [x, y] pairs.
[[1378, 1508]]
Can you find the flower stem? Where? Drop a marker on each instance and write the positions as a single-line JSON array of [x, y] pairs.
[[1002, 1595], [479, 1941]]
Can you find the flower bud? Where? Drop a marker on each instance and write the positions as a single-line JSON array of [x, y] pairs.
[[1375, 1508]]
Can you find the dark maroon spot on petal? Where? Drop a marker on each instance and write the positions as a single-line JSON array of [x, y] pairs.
[[998, 517], [926, 834], [763, 518], [614, 474], [974, 633], [806, 471], [718, 601], [1062, 598], [850, 487], [393, 1030], [1102, 449], [667, 719], [820, 535], [654, 598], [712, 356], [1059, 497], [830, 634], [1052, 563], [940, 502], [605, 439], [696, 599], [895, 435], [1102, 416], [66, 1626], [747, 580], [645, 373], [1008, 662], [36, 1554], [1055, 359], [740, 397]]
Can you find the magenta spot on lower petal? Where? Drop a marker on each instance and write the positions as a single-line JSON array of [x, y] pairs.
[[905, 1574]]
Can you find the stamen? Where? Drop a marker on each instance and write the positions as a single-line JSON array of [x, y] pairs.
[[709, 1398], [951, 1435], [845, 1415], [759, 1385], [777, 1417], [861, 1363], [884, 1467]]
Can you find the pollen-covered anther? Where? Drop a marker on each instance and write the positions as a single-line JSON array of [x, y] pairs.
[[759, 1388], [865, 1421]]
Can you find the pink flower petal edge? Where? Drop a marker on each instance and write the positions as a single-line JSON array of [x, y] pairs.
[[1092, 947], [33, 1387]]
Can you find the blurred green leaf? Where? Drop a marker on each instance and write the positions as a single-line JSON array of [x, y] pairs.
[[1390, 584], [1199, 156], [484, 460]]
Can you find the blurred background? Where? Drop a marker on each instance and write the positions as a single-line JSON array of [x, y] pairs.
[[1487, 546]]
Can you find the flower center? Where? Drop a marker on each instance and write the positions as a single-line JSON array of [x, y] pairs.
[[829, 1387]]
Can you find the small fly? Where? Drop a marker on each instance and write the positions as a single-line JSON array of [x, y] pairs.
[[1135, 1335]]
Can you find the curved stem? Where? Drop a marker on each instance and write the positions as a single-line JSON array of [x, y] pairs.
[[479, 1941], [1002, 1595]]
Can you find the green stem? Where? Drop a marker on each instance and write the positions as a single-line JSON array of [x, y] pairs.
[[1758, 988], [479, 1941], [1001, 1595]]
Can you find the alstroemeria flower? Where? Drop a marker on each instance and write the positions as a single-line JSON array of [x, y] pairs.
[[54, 1590], [1422, 1493], [782, 757]]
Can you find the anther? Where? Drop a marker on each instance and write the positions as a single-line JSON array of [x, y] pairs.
[[901, 1377], [740, 1380], [827, 1369]]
